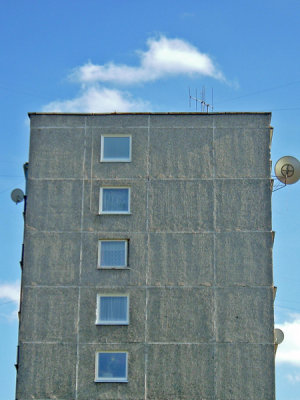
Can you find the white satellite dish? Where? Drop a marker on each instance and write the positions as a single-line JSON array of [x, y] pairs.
[[17, 195], [278, 336], [287, 170]]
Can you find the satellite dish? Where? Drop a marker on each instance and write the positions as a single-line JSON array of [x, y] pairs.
[[287, 170], [278, 336], [17, 195]]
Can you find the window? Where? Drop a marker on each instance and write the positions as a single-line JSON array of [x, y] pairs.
[[115, 148], [111, 367], [112, 310], [113, 254], [114, 200]]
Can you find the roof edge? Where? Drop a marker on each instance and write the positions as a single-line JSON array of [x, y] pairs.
[[156, 113]]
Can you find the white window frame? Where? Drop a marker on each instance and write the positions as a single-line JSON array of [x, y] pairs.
[[112, 266], [98, 320], [112, 379], [102, 159], [113, 212]]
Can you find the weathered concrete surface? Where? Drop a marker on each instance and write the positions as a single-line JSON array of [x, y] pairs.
[[199, 277], [169, 161], [173, 317], [51, 314], [242, 153], [243, 315], [183, 259], [51, 258], [65, 162], [245, 371], [180, 372], [181, 206], [54, 205], [244, 258], [243, 205], [46, 371]]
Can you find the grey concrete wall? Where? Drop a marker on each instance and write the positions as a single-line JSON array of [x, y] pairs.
[[199, 277]]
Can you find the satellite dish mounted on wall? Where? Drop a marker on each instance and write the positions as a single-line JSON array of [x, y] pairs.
[[287, 171], [17, 195], [278, 336]]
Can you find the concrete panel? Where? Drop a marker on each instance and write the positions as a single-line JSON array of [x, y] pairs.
[[181, 206], [137, 168], [89, 332], [134, 274], [56, 153], [133, 390], [244, 258], [49, 314], [180, 259], [181, 120], [180, 315], [57, 121], [242, 153], [245, 371], [118, 120], [51, 258], [180, 372], [242, 120], [243, 205], [46, 371], [54, 205], [135, 222], [181, 153], [245, 315]]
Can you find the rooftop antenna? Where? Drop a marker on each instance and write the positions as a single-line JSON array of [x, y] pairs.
[[205, 107], [287, 171], [203, 99]]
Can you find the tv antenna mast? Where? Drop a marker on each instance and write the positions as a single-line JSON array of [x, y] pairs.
[[205, 107]]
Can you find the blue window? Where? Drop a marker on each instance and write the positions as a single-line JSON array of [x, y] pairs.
[[112, 310], [115, 148], [113, 254], [114, 200], [111, 367]]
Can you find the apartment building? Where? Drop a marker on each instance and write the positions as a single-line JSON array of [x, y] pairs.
[[147, 262]]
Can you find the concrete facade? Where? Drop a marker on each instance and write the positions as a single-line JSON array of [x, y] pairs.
[[199, 277]]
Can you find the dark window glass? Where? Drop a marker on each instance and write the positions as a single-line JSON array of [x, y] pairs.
[[116, 148], [112, 366]]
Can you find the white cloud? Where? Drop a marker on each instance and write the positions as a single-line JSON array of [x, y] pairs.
[[164, 57], [95, 99], [10, 292], [289, 350]]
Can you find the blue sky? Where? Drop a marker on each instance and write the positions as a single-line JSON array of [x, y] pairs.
[[98, 56]]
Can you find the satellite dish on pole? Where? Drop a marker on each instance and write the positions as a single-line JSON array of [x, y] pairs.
[[17, 196], [287, 170]]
